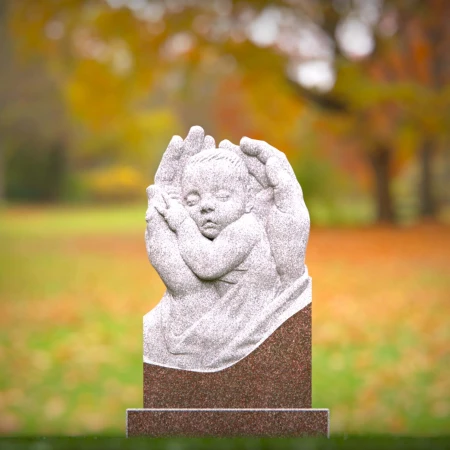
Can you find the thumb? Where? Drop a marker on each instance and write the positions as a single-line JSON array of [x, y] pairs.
[[168, 201], [285, 190]]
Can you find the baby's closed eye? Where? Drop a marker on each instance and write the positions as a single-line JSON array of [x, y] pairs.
[[192, 199], [223, 195]]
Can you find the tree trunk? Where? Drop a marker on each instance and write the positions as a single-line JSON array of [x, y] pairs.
[[2, 173], [380, 161], [427, 201], [57, 171]]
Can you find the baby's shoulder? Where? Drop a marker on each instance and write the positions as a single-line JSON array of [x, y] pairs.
[[246, 220], [249, 224]]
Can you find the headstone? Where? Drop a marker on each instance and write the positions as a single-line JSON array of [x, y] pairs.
[[227, 351]]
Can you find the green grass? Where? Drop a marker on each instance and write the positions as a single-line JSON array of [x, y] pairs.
[[63, 221], [341, 442]]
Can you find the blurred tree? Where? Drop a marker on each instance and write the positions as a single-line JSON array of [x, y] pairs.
[[108, 121], [118, 63], [3, 56], [395, 99], [33, 127], [363, 59], [407, 88], [425, 41]]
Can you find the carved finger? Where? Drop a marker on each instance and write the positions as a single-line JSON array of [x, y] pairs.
[[194, 141], [168, 168], [172, 189], [174, 194], [287, 194], [148, 214], [154, 193], [263, 151], [167, 200], [162, 203], [209, 143], [150, 192], [253, 147], [191, 146]]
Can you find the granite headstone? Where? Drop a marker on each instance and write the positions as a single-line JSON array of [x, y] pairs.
[[227, 350]]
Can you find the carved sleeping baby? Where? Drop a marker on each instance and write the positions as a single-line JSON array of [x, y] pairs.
[[218, 236]]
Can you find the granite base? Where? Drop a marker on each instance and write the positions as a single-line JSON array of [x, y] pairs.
[[227, 422]]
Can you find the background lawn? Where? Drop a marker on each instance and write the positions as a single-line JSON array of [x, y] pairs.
[[75, 283]]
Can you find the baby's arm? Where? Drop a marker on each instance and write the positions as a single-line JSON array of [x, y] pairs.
[[164, 254], [210, 260]]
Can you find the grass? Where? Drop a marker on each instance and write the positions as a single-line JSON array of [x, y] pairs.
[[75, 283], [340, 442]]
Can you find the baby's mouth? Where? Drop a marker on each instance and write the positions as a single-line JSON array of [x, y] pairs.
[[208, 223]]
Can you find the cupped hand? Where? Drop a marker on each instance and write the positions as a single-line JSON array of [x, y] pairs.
[[280, 203], [288, 222]]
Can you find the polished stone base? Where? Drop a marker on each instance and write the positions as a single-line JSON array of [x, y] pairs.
[[227, 422]]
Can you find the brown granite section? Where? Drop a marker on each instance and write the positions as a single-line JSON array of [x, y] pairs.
[[276, 375], [226, 423]]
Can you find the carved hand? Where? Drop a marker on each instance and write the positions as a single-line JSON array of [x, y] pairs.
[[172, 211], [280, 205], [155, 196], [288, 222]]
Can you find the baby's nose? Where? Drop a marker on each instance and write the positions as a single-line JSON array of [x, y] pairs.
[[207, 205]]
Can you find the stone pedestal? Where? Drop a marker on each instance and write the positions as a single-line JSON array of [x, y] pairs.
[[268, 393], [227, 422]]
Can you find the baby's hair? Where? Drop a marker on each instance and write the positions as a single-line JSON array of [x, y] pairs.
[[222, 155]]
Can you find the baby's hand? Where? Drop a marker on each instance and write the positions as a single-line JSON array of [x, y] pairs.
[[155, 196], [172, 211]]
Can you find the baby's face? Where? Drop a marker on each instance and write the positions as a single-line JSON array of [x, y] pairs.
[[213, 195]]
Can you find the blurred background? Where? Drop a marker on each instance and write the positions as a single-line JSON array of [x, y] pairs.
[[355, 92]]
